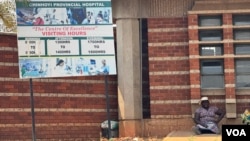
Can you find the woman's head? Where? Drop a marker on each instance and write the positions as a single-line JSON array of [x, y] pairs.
[[204, 102]]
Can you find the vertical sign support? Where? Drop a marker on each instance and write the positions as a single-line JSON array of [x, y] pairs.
[[107, 105], [32, 111]]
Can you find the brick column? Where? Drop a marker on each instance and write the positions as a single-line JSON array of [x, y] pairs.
[[194, 61], [229, 66]]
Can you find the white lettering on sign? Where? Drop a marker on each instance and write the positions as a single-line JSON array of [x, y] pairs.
[[236, 132]]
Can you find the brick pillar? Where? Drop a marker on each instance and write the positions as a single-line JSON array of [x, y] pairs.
[[194, 61], [229, 66]]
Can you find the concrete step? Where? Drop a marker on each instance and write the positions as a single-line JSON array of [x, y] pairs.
[[191, 136]]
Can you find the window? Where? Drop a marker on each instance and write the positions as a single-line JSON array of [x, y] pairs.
[[239, 20], [212, 71], [212, 74], [210, 35], [242, 49], [210, 20], [242, 66], [242, 73], [211, 50], [241, 34]]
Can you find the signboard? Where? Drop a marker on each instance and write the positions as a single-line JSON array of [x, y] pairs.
[[62, 38]]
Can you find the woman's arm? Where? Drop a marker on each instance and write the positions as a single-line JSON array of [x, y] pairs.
[[221, 113], [197, 119]]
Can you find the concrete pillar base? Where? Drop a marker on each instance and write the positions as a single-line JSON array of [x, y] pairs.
[[130, 128]]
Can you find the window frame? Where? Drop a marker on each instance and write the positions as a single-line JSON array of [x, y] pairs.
[[211, 35], [244, 52], [237, 73], [243, 19], [236, 34], [208, 18], [218, 74], [210, 46]]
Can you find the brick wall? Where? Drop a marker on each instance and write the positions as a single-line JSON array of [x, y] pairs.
[[232, 99], [169, 80], [71, 108], [174, 75], [169, 68]]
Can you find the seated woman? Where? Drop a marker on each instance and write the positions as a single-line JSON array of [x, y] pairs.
[[207, 118]]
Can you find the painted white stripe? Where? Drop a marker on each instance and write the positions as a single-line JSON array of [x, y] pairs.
[[230, 85], [50, 124], [209, 42], [183, 101], [169, 101], [194, 71], [169, 73], [179, 116], [167, 29], [54, 110], [230, 101], [169, 87], [56, 95], [243, 100], [195, 86], [167, 44], [8, 64], [8, 49], [229, 70], [171, 116], [168, 58], [211, 57]]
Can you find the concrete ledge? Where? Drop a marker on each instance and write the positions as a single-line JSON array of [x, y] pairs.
[[191, 136]]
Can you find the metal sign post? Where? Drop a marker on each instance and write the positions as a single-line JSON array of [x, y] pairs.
[[32, 112]]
